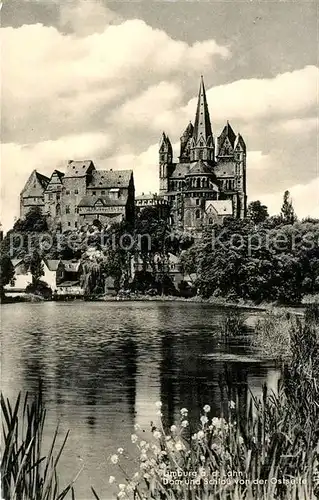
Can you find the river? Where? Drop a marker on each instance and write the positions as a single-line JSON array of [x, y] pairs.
[[104, 365]]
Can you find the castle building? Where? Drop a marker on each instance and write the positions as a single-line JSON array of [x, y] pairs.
[[81, 196], [208, 183]]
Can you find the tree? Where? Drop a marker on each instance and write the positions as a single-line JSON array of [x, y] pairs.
[[36, 268], [6, 273], [288, 215], [257, 212]]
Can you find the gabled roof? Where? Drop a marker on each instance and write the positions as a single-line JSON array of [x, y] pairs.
[[110, 179], [79, 168], [52, 264], [43, 179], [35, 185], [59, 174], [106, 201], [221, 207]]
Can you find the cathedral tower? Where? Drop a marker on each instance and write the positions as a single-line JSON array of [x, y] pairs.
[[202, 143], [165, 162]]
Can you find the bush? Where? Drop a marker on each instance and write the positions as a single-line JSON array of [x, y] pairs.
[[40, 288]]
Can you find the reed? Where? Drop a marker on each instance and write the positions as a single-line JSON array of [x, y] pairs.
[[26, 474], [270, 451], [232, 323]]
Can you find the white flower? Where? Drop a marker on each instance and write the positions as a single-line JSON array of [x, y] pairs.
[[204, 419], [216, 422], [156, 449], [179, 446], [202, 458], [120, 451], [184, 423], [184, 412], [158, 404], [142, 444], [241, 440], [121, 494], [157, 434], [173, 428], [194, 436], [159, 413], [137, 427], [200, 435], [136, 475], [111, 479], [206, 408], [231, 405], [114, 459], [134, 438], [122, 487]]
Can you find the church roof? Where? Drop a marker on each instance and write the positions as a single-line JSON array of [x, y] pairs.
[[110, 179], [202, 126], [181, 170], [106, 201], [200, 167]]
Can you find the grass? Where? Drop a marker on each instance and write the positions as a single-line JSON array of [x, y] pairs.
[[25, 472]]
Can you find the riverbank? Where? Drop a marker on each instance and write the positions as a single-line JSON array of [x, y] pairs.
[[297, 309]]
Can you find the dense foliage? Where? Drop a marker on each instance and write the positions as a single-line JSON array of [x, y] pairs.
[[259, 263], [260, 258]]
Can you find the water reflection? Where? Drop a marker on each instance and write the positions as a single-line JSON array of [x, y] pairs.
[[104, 366]]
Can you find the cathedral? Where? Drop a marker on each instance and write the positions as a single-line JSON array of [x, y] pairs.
[[205, 186], [208, 183]]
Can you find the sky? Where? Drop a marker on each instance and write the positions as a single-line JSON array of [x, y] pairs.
[[91, 79]]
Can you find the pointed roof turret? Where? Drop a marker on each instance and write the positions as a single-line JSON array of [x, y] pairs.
[[202, 126], [240, 143], [227, 132]]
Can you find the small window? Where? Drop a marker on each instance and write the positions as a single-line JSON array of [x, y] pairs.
[[67, 191], [67, 209], [76, 210], [197, 201], [75, 224], [58, 196], [76, 191], [34, 199], [103, 192], [93, 193], [50, 196], [69, 223], [197, 214]]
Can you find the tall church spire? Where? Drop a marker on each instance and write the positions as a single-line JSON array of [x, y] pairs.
[[202, 127], [202, 144]]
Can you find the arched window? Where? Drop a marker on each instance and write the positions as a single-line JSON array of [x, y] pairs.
[[198, 183], [197, 214], [58, 209]]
